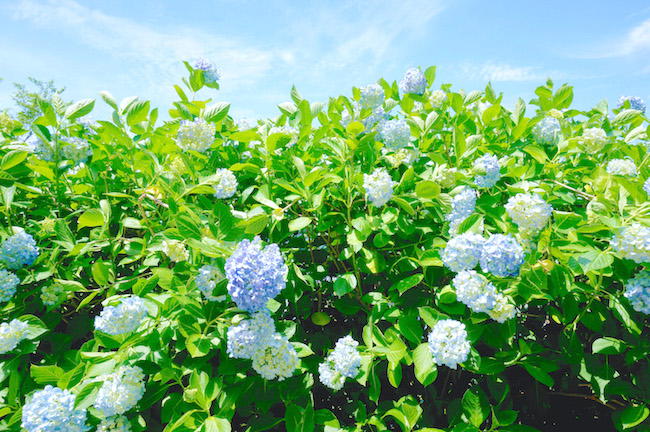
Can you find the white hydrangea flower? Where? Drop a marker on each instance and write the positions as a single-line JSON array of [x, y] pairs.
[[475, 291], [344, 362], [594, 139], [622, 167], [504, 309], [277, 359], [530, 212], [206, 281], [245, 338], [121, 319], [448, 343], [120, 391], [633, 243], [226, 185], [463, 252], [114, 424], [175, 250], [197, 135], [437, 98], [379, 187], [11, 334]]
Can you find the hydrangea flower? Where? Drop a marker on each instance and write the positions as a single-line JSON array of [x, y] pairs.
[[489, 164], [123, 318], [372, 96], [437, 98], [463, 252], [621, 167], [594, 139], [448, 343], [396, 134], [255, 275], [175, 250], [245, 338], [276, 359], [211, 73], [243, 124], [120, 390], [379, 187], [646, 186], [8, 284], [18, 250], [226, 186], [445, 176], [52, 410], [206, 281], [502, 255], [378, 115], [413, 82], [11, 334], [635, 102], [462, 206], [287, 130], [76, 149], [51, 294], [633, 243], [555, 113], [43, 150], [503, 309], [475, 291], [404, 156], [197, 135], [344, 362], [114, 424], [637, 291], [547, 131], [48, 224], [530, 212]]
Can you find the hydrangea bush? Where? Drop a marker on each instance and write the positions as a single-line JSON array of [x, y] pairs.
[[407, 257]]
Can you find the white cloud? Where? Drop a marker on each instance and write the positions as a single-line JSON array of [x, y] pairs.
[[636, 40], [491, 71]]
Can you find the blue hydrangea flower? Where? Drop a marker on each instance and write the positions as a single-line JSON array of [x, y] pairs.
[[475, 291], [489, 164], [206, 281], [379, 187], [637, 291], [11, 334], [633, 243], [276, 359], [52, 410], [463, 252], [43, 150], [530, 212], [504, 309], [635, 102], [622, 167], [395, 134], [120, 390], [8, 284], [226, 184], [502, 255], [372, 96], [255, 275], [448, 343], [211, 73], [123, 318], [413, 82], [462, 206], [197, 135], [344, 362], [376, 117], [114, 424], [76, 149], [18, 250], [245, 338], [548, 131]]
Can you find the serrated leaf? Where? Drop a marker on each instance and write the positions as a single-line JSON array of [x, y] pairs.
[[79, 109], [425, 369], [216, 112], [299, 223]]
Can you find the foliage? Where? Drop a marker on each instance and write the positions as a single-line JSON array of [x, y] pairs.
[[28, 101], [130, 215]]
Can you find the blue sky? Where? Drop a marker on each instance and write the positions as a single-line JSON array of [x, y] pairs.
[[136, 47]]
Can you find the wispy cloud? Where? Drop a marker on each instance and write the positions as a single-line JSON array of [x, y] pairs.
[[495, 72], [637, 40]]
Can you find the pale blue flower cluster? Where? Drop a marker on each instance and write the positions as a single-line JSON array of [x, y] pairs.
[[277, 358], [490, 164], [463, 252], [413, 82], [462, 206], [633, 243], [211, 73], [114, 424], [197, 135], [11, 334], [255, 275], [448, 343], [594, 139], [504, 308], [395, 134], [206, 281], [502, 255], [226, 186], [635, 102], [530, 212], [646, 186], [76, 149], [622, 167], [18, 250], [42, 149], [372, 96], [637, 291], [378, 115], [123, 318], [120, 391], [379, 187], [249, 335], [547, 131], [8, 284], [243, 124], [475, 291], [437, 98], [344, 362], [52, 410]]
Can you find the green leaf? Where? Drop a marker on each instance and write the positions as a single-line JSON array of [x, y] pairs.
[[344, 284], [79, 109], [608, 345], [299, 223], [430, 75], [539, 374], [537, 153], [407, 283], [475, 405], [594, 260], [216, 112], [623, 315], [137, 112], [411, 328], [625, 116], [633, 416], [46, 374], [215, 424], [355, 128], [109, 99], [425, 369], [298, 419], [427, 189], [13, 158], [90, 218]]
